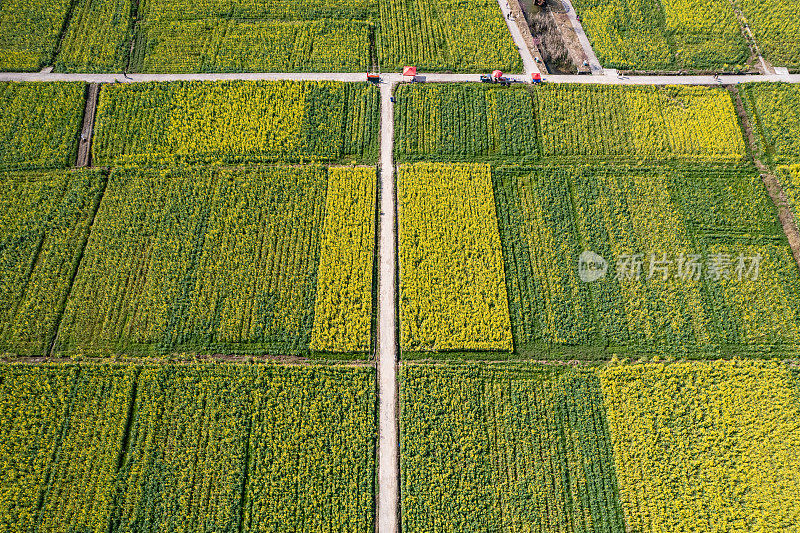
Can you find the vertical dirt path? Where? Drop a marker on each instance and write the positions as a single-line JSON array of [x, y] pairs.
[[388, 443], [85, 142]]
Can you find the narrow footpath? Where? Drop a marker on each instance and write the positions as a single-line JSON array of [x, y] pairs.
[[388, 444]]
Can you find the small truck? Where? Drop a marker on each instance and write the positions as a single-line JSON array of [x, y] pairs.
[[502, 80]]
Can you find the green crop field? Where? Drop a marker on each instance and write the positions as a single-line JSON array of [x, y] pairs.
[[44, 223], [689, 446], [776, 28], [123, 448], [457, 35], [161, 124], [29, 33], [40, 124], [463, 122], [248, 36], [771, 110], [658, 219], [97, 38], [505, 447], [656, 35], [227, 262]]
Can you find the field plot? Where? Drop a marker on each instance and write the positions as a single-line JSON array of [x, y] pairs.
[[248, 36], [33, 404], [29, 31], [458, 35], [81, 488], [563, 122], [637, 123], [97, 38], [40, 124], [236, 448], [664, 36], [343, 312], [61, 439], [312, 451], [160, 124], [44, 223], [210, 447], [505, 448], [452, 295], [702, 447], [772, 109], [776, 28], [207, 260], [463, 122], [650, 226]]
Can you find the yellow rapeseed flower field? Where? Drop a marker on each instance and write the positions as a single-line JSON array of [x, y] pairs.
[[343, 307], [161, 124], [705, 446], [452, 284]]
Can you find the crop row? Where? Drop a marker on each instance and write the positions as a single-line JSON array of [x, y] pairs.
[[567, 122], [649, 227], [160, 124], [653, 447], [452, 295], [121, 448]]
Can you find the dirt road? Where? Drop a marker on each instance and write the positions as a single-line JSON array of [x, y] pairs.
[[388, 447]]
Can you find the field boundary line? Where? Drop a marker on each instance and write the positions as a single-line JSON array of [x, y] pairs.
[[752, 43]]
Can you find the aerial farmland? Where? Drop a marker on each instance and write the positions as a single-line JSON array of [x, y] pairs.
[[399, 266]]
